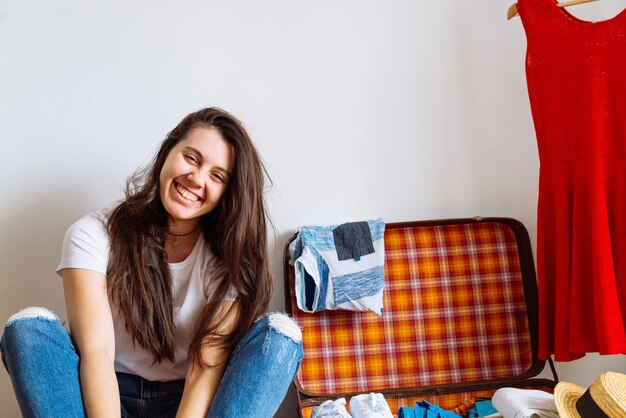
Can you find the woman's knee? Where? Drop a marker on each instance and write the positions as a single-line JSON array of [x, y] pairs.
[[282, 337], [25, 327], [285, 325], [273, 343], [33, 312]]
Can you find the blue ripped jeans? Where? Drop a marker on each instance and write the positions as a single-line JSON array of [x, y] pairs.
[[39, 355]]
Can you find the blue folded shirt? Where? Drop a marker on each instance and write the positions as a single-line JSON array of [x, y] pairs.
[[340, 267]]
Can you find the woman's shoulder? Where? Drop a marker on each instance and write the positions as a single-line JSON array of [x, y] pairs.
[[95, 221], [92, 226], [86, 242]]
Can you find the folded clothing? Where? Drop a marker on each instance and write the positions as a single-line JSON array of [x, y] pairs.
[[524, 403], [425, 409], [331, 409], [482, 409], [340, 267], [370, 405]]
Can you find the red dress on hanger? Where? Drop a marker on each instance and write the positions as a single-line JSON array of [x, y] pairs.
[[576, 74]]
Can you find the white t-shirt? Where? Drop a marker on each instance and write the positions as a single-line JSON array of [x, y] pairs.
[[86, 246]]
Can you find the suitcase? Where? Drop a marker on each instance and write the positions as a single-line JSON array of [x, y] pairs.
[[459, 321]]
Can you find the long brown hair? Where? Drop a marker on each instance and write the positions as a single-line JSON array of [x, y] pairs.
[[138, 274]]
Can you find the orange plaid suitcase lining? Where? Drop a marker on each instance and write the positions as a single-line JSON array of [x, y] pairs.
[[454, 312]]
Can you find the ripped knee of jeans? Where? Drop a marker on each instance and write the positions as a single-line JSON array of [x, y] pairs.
[[283, 324], [32, 312]]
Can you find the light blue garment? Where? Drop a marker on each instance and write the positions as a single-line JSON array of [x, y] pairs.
[[482, 409], [41, 360], [325, 281], [425, 409]]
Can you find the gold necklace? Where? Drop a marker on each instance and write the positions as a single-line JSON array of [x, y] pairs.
[[177, 240]]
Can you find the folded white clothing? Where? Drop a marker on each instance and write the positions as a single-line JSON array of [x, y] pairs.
[[331, 409], [340, 267], [370, 405], [524, 403]]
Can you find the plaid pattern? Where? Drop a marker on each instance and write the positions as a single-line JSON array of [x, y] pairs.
[[454, 312]]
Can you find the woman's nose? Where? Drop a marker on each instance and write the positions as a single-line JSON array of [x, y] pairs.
[[194, 178]]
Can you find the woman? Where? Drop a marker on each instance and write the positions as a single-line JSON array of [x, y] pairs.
[[164, 294]]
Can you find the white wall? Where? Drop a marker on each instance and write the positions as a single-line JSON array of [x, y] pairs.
[[403, 109]]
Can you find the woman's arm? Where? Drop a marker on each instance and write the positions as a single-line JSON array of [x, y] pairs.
[[91, 326], [201, 384]]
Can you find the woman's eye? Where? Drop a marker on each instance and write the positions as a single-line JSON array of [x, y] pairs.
[[218, 177], [190, 158]]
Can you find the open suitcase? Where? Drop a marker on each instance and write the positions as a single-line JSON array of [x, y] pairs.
[[459, 321]]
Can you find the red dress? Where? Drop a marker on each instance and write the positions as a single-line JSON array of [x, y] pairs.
[[576, 74]]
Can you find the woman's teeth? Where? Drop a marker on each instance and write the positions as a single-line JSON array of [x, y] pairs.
[[185, 194]]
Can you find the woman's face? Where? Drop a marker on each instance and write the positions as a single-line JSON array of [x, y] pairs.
[[195, 175]]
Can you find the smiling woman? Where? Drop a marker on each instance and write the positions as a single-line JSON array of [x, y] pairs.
[[166, 295]]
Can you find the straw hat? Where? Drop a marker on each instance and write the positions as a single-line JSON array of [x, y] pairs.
[[606, 397]]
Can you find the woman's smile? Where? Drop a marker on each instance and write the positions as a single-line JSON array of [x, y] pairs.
[[185, 194]]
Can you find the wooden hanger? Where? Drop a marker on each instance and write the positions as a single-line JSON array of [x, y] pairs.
[[513, 9]]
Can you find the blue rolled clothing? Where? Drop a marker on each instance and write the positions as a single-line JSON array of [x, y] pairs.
[[482, 409], [424, 409]]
